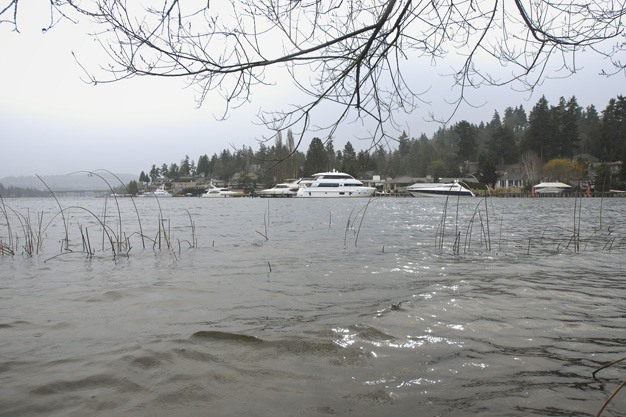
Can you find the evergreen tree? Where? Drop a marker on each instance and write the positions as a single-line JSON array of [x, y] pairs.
[[132, 187], [541, 130], [613, 131], [316, 158], [590, 131], [487, 170], [173, 171], [154, 173], [203, 166], [185, 167], [330, 155], [570, 121], [164, 171], [349, 163], [467, 138], [502, 145]]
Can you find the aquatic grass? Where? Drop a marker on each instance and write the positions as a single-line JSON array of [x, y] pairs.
[[356, 238], [557, 238], [28, 238], [32, 233], [345, 234], [6, 247], [194, 240], [351, 221], [65, 227], [617, 390], [112, 192], [132, 201], [110, 233], [440, 234], [266, 220]]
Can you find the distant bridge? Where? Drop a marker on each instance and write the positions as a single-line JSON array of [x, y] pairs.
[[80, 193]]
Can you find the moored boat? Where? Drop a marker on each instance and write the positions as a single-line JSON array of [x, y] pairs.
[[221, 192], [159, 192], [333, 184], [439, 190], [280, 190]]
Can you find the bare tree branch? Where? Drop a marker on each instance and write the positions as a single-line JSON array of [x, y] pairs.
[[357, 55]]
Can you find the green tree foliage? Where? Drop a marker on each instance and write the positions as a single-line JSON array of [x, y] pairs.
[[155, 173], [515, 119], [602, 178], [502, 145], [437, 169], [173, 172], [132, 187], [349, 163], [589, 132], [487, 172], [203, 166], [541, 130], [330, 155], [613, 131], [185, 167], [568, 128], [165, 171], [316, 158], [549, 132], [467, 140], [564, 169]]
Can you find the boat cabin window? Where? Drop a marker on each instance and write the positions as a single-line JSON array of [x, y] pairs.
[[336, 177]]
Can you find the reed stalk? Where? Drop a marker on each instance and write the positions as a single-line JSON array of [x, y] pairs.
[[132, 200], [8, 247], [194, 240], [345, 234], [67, 238], [266, 217], [622, 385], [488, 237], [361, 222]]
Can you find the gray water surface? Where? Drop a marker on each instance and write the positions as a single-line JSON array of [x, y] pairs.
[[300, 307]]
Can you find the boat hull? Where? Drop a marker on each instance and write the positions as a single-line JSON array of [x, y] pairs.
[[322, 192], [439, 195], [439, 190]]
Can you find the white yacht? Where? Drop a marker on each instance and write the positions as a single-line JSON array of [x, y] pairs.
[[280, 190], [435, 189], [333, 184], [221, 192], [159, 192]]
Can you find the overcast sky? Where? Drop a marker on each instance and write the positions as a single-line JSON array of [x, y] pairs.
[[52, 122]]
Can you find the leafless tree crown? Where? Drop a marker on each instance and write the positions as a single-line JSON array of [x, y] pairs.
[[356, 54]]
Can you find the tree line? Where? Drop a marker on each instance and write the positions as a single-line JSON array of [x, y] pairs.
[[547, 132]]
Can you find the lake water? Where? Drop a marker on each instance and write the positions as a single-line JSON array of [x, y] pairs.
[[313, 307]]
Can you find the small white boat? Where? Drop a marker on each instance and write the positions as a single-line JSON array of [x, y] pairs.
[[435, 189], [280, 190], [159, 192], [221, 192], [333, 184]]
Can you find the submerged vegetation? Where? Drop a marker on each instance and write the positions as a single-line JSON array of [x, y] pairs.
[[114, 240]]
